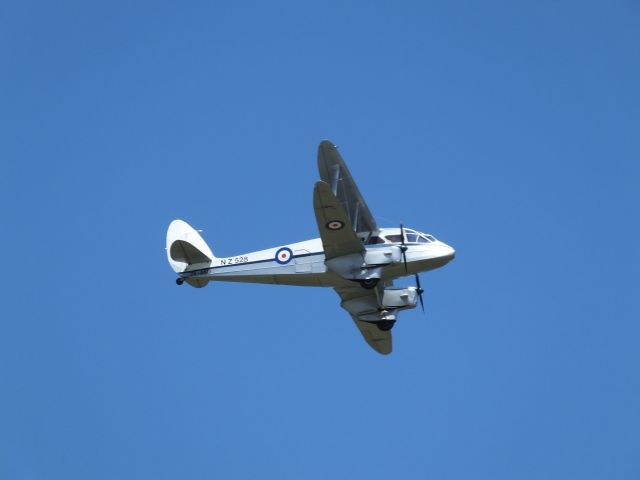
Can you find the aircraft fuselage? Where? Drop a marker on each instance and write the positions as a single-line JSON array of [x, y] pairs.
[[303, 264]]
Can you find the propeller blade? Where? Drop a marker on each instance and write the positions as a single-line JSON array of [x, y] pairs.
[[420, 291], [403, 248]]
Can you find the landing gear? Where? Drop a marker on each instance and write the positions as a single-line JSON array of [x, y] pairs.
[[179, 281], [385, 325], [369, 283]]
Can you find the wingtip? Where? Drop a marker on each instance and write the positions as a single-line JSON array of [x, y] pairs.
[[383, 347], [326, 143]]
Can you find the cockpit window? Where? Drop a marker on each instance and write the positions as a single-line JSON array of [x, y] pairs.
[[425, 238], [412, 237]]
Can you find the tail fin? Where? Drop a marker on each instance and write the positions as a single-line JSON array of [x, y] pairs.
[[186, 248]]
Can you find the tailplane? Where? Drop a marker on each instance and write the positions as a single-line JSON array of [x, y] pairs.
[[186, 250]]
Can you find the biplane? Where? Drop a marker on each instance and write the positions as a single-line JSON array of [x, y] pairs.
[[353, 255]]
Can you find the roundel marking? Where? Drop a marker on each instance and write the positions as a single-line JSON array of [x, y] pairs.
[[284, 255], [334, 225]]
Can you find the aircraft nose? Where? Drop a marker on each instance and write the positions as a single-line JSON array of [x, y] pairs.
[[450, 252]]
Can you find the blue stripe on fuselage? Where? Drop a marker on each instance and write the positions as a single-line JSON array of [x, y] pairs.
[[204, 271]]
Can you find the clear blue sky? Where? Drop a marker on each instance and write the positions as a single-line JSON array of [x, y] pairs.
[[508, 130]]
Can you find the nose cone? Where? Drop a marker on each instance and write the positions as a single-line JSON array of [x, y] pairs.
[[449, 252]]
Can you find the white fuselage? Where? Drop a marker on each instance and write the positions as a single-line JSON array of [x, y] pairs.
[[303, 264]]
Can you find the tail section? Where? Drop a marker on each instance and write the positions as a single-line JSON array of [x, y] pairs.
[[186, 250]]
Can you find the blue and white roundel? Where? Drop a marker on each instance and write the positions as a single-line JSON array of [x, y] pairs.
[[284, 255]]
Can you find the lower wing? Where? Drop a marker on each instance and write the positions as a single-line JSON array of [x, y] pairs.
[[364, 307]]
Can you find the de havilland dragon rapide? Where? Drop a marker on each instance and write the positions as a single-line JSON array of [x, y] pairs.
[[353, 255]]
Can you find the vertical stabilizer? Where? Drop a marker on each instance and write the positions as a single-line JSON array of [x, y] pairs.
[[186, 249]]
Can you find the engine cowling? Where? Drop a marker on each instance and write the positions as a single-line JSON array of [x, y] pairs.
[[365, 267], [393, 300]]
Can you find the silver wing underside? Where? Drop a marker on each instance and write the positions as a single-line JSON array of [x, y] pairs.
[[335, 173]]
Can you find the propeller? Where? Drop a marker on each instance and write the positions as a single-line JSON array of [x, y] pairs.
[[403, 248], [420, 291]]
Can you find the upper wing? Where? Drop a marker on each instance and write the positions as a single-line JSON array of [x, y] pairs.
[[341, 212], [334, 172], [336, 232], [377, 339]]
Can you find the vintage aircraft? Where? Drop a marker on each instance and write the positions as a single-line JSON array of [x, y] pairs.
[[353, 256]]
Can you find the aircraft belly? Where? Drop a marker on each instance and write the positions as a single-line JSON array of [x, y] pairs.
[[311, 271], [300, 279]]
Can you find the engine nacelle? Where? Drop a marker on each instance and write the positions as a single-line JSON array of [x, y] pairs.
[[383, 255], [393, 300], [400, 298], [365, 267], [352, 267]]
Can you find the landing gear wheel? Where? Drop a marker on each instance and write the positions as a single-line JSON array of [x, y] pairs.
[[370, 283], [179, 281], [385, 325]]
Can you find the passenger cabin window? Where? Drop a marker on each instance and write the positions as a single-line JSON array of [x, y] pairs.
[[375, 240], [394, 238], [410, 237]]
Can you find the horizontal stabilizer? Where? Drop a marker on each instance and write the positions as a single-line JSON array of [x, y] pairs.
[[197, 282]]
